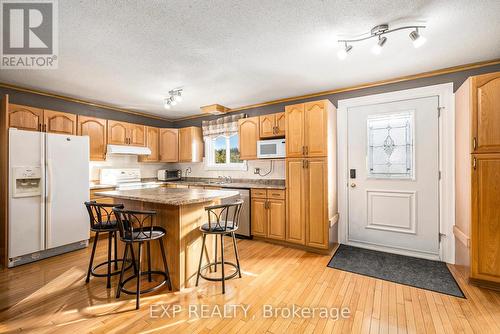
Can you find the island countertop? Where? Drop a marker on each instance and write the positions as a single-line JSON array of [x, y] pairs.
[[169, 196]]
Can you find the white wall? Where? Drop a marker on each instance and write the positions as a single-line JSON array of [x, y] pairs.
[[125, 161], [198, 170]]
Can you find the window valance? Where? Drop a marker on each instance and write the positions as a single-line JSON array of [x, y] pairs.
[[226, 126]]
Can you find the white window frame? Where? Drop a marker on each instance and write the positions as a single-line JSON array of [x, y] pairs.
[[210, 157]]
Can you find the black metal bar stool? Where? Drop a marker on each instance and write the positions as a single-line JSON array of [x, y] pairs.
[[102, 221], [137, 227], [227, 217]]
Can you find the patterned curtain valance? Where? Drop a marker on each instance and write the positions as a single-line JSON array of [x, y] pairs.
[[227, 126]]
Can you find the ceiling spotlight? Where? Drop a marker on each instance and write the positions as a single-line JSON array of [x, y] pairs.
[[166, 104], [377, 48], [417, 39], [342, 54]]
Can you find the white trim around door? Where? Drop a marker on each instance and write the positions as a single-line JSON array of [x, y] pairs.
[[445, 95]]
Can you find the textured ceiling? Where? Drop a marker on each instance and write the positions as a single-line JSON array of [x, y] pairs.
[[131, 53]]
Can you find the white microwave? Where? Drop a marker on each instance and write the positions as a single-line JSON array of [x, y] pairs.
[[271, 149]]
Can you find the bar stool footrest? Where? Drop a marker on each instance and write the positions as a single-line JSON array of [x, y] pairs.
[[154, 288], [105, 263], [219, 279]]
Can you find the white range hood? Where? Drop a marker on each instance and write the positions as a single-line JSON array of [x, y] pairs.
[[132, 150]]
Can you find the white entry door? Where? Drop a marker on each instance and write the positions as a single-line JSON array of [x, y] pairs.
[[393, 162]]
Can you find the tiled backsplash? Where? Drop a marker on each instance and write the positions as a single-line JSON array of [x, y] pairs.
[[198, 170], [148, 169]]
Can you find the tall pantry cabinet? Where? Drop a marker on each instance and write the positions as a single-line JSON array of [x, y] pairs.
[[310, 174], [477, 173]]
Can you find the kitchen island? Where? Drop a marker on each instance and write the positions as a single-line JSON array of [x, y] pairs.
[[180, 212]]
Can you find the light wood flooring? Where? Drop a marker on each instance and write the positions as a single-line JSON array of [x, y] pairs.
[[51, 296]]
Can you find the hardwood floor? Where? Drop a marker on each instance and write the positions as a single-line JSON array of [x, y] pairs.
[[51, 296]]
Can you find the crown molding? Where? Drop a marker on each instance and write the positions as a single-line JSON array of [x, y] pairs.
[[81, 101], [433, 73]]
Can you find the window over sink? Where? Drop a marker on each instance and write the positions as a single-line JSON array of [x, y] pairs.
[[222, 153]]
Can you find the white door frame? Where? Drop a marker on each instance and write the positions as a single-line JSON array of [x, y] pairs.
[[445, 95]]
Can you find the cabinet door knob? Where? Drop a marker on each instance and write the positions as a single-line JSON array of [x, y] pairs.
[[353, 185]]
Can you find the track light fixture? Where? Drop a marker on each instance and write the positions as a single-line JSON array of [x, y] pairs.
[[379, 32], [377, 48], [175, 96], [418, 40], [342, 54]]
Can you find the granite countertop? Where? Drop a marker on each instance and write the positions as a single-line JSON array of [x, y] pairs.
[[94, 186], [169, 196], [202, 182], [235, 183]]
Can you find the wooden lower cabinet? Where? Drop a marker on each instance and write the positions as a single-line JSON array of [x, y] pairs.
[[259, 217], [296, 200], [276, 219], [316, 203], [485, 222], [268, 214], [307, 202]]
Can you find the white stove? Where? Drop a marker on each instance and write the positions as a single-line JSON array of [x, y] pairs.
[[125, 178]]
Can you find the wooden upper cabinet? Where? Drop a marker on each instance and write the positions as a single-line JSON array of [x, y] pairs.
[[136, 134], [485, 100], [169, 145], [485, 223], [190, 144], [25, 118], [272, 125], [267, 126], [296, 201], [295, 130], [152, 141], [248, 129], [280, 124], [96, 129], [59, 122], [117, 133], [316, 203], [122, 133], [316, 127]]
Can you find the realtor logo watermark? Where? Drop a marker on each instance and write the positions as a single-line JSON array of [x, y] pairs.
[[29, 34]]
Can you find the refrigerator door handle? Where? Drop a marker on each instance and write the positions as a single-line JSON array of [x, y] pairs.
[[48, 205]]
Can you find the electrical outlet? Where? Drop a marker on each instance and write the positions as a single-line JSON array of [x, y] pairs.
[[256, 170]]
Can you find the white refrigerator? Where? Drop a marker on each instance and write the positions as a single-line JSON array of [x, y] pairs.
[[48, 185]]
